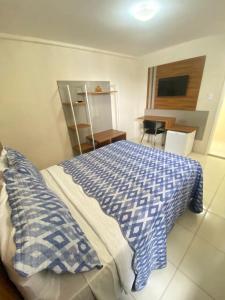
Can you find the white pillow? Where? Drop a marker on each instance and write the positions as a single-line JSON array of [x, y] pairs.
[[3, 160]]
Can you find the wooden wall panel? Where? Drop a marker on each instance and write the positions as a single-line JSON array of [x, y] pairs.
[[194, 68]]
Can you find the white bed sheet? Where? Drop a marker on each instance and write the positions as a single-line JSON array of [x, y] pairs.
[[103, 233]]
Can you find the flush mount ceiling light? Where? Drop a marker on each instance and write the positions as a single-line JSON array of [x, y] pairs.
[[144, 11]]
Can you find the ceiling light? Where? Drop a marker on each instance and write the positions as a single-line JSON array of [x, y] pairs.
[[144, 11]]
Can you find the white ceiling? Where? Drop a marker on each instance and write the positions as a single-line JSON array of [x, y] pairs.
[[108, 24]]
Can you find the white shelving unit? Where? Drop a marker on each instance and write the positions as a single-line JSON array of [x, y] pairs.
[[80, 102], [83, 147]]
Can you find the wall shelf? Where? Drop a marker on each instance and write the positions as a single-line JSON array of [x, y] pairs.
[[97, 93], [85, 147], [107, 137], [85, 103], [79, 126], [75, 103]]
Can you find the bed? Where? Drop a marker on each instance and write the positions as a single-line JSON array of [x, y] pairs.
[[126, 198]]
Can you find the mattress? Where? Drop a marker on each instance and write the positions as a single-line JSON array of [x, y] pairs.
[[145, 190], [126, 198], [113, 250]]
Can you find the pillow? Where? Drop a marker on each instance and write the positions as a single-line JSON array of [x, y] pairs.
[[1, 181], [46, 236], [3, 166], [3, 160], [22, 164]]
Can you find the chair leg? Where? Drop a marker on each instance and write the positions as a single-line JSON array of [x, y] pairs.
[[154, 139], [148, 137], [142, 137]]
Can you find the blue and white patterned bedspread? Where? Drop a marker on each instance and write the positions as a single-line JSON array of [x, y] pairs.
[[145, 190]]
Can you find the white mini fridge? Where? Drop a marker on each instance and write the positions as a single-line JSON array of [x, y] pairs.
[[179, 142]]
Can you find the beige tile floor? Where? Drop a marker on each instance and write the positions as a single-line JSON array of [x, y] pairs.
[[196, 246], [218, 148]]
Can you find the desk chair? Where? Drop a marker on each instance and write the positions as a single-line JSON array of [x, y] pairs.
[[153, 128]]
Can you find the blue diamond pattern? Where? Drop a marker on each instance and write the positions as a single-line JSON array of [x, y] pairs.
[[47, 237], [149, 188]]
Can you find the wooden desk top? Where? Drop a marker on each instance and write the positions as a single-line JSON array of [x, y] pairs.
[[158, 118], [107, 135], [169, 123], [182, 128]]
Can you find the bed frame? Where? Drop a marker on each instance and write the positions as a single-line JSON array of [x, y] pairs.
[[7, 289]]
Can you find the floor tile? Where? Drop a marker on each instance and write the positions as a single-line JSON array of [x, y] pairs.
[[205, 265], [156, 286], [190, 220], [208, 195], [199, 157], [211, 183], [201, 275], [178, 241], [213, 230], [214, 171], [218, 204], [218, 148], [182, 288]]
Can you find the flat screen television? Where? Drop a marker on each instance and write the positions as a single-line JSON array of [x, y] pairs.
[[173, 86]]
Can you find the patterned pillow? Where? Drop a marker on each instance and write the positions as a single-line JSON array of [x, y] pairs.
[[22, 164], [47, 237], [3, 160], [1, 181]]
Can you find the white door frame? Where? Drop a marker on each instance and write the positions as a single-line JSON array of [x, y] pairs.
[[216, 118]]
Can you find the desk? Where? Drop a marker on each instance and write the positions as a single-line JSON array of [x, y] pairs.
[[170, 123], [179, 138], [107, 137]]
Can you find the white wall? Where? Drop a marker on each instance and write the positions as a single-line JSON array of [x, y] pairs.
[[31, 117], [219, 134], [213, 77], [217, 146]]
